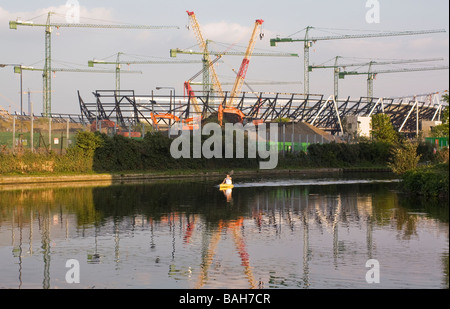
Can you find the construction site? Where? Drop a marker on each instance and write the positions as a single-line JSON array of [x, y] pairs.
[[179, 177], [304, 117]]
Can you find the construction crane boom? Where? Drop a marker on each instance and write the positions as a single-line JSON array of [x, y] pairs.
[[308, 41], [274, 41], [373, 62], [92, 62], [371, 74], [175, 51], [337, 67], [18, 69], [119, 62], [14, 23], [48, 60]]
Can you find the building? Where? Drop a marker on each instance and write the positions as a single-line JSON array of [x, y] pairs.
[[358, 126]]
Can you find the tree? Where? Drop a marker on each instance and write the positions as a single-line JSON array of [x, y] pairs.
[[405, 157], [442, 129], [382, 129], [88, 141]]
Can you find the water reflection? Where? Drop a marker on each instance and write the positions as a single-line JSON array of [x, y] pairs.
[[228, 194], [189, 234]]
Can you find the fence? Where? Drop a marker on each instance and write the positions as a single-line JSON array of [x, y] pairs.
[[438, 142], [18, 133], [39, 134]]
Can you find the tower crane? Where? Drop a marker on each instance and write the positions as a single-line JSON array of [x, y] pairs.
[[337, 67], [206, 81], [19, 69], [49, 26], [372, 74], [309, 41], [119, 62]]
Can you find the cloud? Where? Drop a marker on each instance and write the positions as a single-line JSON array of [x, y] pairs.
[[231, 32], [427, 43], [223, 31], [62, 13]]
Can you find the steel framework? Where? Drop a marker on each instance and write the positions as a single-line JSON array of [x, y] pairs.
[[125, 107]]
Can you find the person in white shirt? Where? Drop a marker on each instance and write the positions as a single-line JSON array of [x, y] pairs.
[[227, 180]]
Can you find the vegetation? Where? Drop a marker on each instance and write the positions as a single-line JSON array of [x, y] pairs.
[[405, 157], [429, 181], [382, 129], [347, 155], [95, 152], [442, 129]]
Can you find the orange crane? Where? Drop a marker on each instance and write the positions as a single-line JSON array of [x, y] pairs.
[[188, 123], [204, 48], [229, 108], [240, 77], [239, 242]]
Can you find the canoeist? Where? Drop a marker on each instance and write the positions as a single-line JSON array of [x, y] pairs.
[[227, 180]]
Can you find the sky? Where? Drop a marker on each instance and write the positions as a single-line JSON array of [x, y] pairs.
[[228, 24]]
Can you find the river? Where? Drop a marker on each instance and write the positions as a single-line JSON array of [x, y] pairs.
[[303, 232]]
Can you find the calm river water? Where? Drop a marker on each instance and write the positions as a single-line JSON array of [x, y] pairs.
[[280, 232]]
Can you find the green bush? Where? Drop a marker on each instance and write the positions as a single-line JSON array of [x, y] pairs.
[[426, 152], [428, 181], [344, 155], [101, 153], [88, 141], [404, 157]]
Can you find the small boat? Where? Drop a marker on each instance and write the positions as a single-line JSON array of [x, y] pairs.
[[225, 186]]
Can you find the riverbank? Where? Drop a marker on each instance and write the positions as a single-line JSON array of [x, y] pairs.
[[122, 177]]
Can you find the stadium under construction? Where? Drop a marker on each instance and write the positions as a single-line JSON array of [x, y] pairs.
[[125, 108]]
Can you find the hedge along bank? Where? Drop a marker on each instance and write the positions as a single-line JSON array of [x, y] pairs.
[[212, 147]]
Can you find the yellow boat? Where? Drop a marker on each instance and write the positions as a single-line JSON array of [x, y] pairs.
[[225, 186]]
